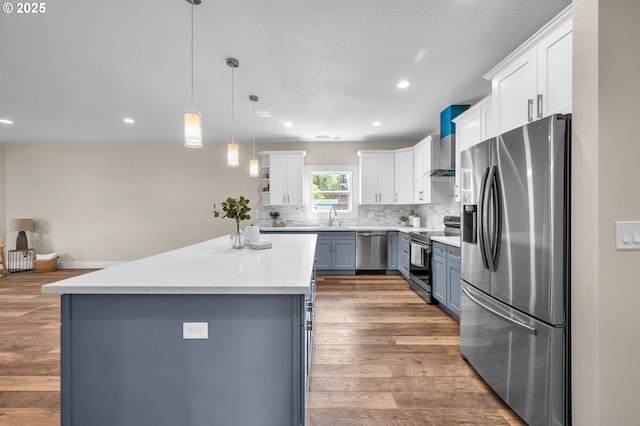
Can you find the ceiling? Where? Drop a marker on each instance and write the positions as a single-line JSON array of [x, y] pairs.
[[330, 67]]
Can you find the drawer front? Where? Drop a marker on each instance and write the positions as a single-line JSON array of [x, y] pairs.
[[439, 249], [453, 253]]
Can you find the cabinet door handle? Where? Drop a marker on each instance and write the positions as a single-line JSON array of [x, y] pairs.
[[396, 197], [284, 198], [539, 106], [529, 110]]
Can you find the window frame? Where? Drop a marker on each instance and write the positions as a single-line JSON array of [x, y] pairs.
[[348, 192], [331, 169]]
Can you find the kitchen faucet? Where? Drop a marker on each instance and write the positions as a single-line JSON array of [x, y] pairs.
[[331, 219]]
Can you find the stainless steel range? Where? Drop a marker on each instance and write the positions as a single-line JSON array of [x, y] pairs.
[[420, 254]]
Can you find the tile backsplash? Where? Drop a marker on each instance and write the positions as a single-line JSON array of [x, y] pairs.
[[431, 215]]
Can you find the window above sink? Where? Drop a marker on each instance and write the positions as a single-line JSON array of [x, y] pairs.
[[331, 187]]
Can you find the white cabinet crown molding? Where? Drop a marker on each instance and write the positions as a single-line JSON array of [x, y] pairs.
[[531, 42]]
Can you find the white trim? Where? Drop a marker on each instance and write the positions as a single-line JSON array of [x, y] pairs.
[[563, 16], [355, 192]]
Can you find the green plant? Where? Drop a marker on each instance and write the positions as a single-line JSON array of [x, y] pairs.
[[234, 208], [274, 216], [404, 218]]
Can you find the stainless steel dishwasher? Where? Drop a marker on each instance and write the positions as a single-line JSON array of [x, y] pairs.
[[371, 252]]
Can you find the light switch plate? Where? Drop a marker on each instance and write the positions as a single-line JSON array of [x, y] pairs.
[[628, 235], [195, 330]]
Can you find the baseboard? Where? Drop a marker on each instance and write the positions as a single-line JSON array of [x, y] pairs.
[[86, 265]]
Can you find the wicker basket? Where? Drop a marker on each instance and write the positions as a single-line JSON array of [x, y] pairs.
[[48, 265]]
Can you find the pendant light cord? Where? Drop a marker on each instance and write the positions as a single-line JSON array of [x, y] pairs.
[[233, 127], [192, 3], [254, 129]]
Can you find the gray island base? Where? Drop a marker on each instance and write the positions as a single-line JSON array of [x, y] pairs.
[[125, 361]]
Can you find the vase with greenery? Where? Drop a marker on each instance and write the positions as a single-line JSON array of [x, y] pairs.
[[237, 209], [404, 220]]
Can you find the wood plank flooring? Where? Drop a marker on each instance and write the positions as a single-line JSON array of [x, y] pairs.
[[30, 349], [381, 356]]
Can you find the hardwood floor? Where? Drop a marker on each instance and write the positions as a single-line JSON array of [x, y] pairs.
[[30, 349], [381, 356]]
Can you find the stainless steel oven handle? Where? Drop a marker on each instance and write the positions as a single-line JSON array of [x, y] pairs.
[[518, 324]]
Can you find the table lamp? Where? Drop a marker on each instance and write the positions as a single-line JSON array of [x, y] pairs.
[[22, 225]]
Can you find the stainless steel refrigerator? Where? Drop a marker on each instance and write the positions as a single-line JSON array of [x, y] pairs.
[[514, 325]]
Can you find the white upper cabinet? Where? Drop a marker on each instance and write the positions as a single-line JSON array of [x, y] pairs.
[[427, 189], [286, 174], [555, 53], [404, 176], [418, 173], [535, 80], [377, 177], [472, 127]]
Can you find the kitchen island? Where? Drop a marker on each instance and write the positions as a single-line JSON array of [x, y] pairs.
[[202, 335]]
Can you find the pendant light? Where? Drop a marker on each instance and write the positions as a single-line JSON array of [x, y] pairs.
[[233, 156], [192, 119], [253, 165]]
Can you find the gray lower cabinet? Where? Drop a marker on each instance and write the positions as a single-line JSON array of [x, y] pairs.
[[439, 272], [445, 269], [404, 255], [335, 251], [124, 360], [393, 252]]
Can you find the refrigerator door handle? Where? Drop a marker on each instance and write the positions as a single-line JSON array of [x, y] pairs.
[[481, 220], [511, 321], [493, 215]]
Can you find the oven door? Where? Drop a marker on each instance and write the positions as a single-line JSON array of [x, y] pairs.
[[420, 270], [420, 259]]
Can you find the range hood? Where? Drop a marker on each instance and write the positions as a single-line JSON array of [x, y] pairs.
[[444, 163]]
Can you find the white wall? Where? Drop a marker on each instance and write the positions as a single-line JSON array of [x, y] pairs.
[[605, 283], [3, 192], [110, 203]]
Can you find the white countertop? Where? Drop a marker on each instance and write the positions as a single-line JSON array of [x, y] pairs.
[[344, 228], [210, 267], [452, 241]]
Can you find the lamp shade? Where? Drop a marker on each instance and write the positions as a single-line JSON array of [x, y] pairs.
[[192, 130], [253, 168], [22, 225], [233, 156]]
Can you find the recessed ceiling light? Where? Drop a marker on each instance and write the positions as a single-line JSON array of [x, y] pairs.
[[288, 124], [5, 121], [377, 123], [403, 84], [129, 120]]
